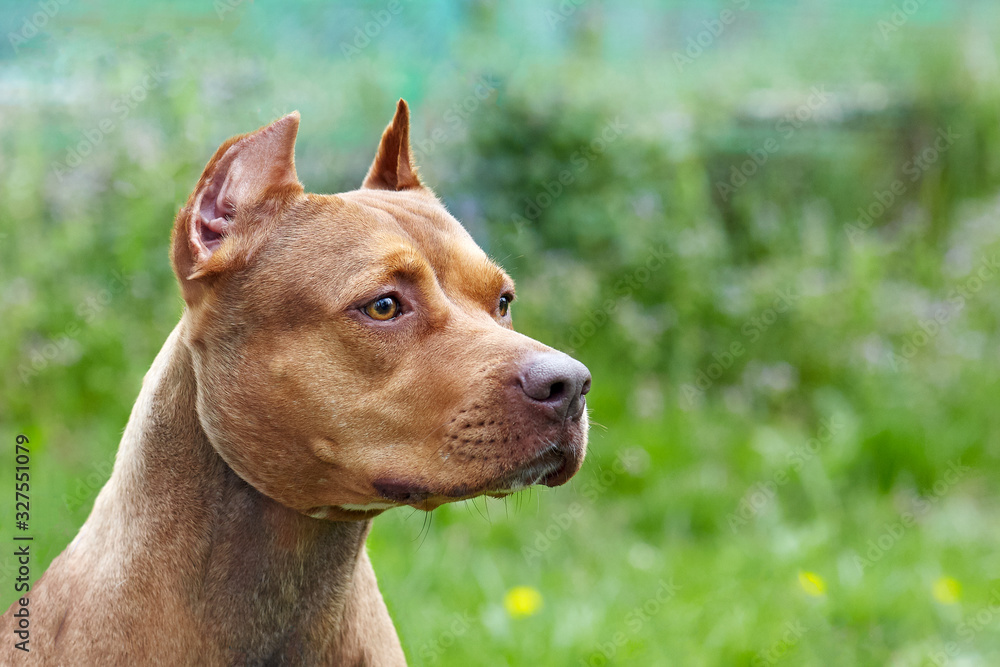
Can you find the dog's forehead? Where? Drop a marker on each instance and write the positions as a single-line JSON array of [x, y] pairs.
[[417, 214], [365, 229]]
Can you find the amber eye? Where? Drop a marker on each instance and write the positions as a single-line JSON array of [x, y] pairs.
[[504, 307], [383, 308]]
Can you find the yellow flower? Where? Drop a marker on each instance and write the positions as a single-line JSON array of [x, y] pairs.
[[812, 583], [522, 601], [947, 590]]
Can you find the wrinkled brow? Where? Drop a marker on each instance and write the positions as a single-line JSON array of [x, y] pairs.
[[401, 262], [480, 279], [485, 281]]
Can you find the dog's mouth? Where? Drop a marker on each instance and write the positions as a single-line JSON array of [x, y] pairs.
[[552, 466], [552, 463]]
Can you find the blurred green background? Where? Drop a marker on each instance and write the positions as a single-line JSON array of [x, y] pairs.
[[770, 229]]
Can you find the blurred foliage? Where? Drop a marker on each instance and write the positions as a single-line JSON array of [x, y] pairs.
[[793, 458]]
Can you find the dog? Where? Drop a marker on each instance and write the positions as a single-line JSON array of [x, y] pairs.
[[338, 356]]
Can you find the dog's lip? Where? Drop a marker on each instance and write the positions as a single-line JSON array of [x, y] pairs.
[[553, 465], [550, 461], [401, 491], [559, 476]]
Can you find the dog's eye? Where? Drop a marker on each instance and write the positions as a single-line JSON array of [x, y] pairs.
[[504, 306], [383, 308]]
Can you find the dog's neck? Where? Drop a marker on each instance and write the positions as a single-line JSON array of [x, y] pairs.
[[253, 574]]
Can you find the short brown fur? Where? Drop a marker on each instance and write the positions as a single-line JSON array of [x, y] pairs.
[[277, 421]]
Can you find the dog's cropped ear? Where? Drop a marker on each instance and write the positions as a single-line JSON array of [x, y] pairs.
[[393, 168], [243, 188]]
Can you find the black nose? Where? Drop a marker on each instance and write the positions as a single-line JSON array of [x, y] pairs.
[[556, 382]]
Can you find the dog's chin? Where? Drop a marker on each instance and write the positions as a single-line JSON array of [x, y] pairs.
[[552, 465]]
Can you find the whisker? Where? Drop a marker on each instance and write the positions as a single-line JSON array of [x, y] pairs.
[[476, 505], [428, 521]]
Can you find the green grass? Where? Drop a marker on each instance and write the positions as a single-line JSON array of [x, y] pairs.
[[715, 521]]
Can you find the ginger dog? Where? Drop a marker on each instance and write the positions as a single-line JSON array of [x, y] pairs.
[[339, 355]]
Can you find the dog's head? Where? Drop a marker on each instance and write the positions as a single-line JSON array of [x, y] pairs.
[[355, 352]]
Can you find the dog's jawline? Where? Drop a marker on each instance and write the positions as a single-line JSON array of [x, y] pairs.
[[358, 508]]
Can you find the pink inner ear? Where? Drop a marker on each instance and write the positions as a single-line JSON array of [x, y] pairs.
[[216, 213], [243, 171]]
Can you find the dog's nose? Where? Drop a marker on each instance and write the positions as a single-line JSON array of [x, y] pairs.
[[555, 382]]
